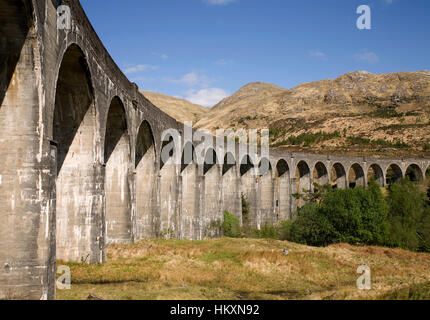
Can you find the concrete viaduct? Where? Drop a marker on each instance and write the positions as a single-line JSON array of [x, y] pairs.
[[80, 158]]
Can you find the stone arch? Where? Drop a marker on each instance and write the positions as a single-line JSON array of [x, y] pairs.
[[249, 191], [230, 186], [266, 194], [190, 210], [16, 24], [211, 193], [117, 158], [356, 176], [146, 196], [169, 190], [282, 191], [375, 172], [338, 177], [320, 174], [303, 180], [74, 129], [393, 174], [414, 173]]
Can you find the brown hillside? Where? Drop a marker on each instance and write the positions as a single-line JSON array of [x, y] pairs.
[[180, 109], [359, 113]]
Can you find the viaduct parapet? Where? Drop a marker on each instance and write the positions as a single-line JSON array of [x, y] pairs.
[[80, 158]]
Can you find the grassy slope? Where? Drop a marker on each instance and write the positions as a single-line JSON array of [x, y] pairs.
[[248, 269]]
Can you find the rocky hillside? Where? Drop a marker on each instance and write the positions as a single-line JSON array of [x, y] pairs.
[[358, 113], [180, 109]]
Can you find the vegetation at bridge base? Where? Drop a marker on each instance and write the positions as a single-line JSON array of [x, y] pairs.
[[231, 226], [363, 217]]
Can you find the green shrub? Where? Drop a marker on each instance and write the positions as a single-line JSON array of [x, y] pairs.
[[356, 216], [409, 217], [231, 226], [266, 232]]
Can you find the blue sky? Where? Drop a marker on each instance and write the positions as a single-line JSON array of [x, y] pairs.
[[205, 50]]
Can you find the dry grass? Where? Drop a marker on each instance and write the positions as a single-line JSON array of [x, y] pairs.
[[248, 269]]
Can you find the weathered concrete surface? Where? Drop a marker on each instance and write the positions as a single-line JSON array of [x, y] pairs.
[[80, 158]]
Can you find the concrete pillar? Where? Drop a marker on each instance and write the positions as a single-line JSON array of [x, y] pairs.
[[169, 216], [190, 195], [211, 201], [27, 170]]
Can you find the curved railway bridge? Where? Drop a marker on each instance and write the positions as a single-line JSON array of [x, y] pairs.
[[81, 158]]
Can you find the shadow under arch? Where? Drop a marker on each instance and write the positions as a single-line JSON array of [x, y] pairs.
[[338, 176], [146, 182], [375, 172], [74, 129], [16, 19], [303, 180], [320, 174], [117, 157], [356, 176], [394, 174], [414, 173]]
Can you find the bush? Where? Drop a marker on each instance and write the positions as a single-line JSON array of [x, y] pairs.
[[231, 226], [409, 217], [344, 215], [266, 232], [310, 227]]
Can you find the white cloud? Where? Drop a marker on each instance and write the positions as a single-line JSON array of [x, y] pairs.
[[388, 1], [218, 2], [318, 55], [161, 55], [191, 79], [368, 57], [207, 97], [140, 68], [223, 62]]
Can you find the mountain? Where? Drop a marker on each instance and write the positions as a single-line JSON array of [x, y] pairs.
[[357, 113], [180, 109]]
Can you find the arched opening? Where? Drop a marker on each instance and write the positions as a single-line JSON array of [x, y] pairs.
[[320, 174], [356, 176], [190, 213], [414, 173], [119, 222], [282, 191], [249, 192], [16, 20], [212, 193], [146, 195], [428, 172], [303, 181], [266, 186], [168, 225], [230, 187], [375, 172], [78, 224], [394, 174], [338, 176]]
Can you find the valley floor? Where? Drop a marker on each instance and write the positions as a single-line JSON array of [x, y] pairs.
[[253, 269]]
